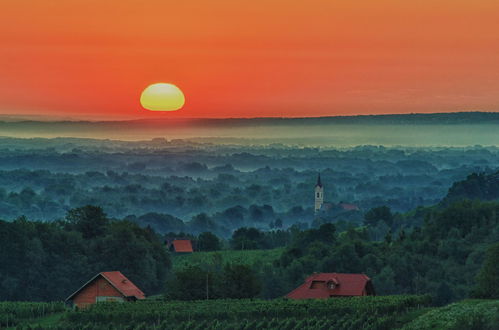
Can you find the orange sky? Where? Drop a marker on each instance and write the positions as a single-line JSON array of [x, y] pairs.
[[235, 58]]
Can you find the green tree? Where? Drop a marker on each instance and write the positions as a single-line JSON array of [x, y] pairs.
[[444, 295], [190, 283], [272, 283], [377, 214], [136, 252], [384, 282], [90, 220], [240, 281], [248, 239], [488, 277], [326, 233], [202, 222], [208, 242]]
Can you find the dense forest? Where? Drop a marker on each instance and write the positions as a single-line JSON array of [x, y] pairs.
[[443, 257], [446, 256], [43, 261], [193, 187]]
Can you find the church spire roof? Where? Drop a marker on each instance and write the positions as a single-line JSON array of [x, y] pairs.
[[319, 183]]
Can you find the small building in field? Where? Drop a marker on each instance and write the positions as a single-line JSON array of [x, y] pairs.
[[329, 285], [180, 246], [106, 286]]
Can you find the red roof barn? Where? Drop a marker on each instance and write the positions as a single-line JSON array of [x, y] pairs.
[[181, 246], [106, 286], [326, 285]]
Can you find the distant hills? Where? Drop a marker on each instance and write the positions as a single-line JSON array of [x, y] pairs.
[[480, 186], [400, 119], [437, 129]]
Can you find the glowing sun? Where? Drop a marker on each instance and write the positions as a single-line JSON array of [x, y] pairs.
[[162, 97]]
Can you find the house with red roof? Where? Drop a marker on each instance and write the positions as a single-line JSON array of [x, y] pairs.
[[348, 207], [106, 286], [180, 246], [328, 285]]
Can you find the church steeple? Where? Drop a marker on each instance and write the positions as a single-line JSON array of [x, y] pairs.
[[319, 183], [319, 194]]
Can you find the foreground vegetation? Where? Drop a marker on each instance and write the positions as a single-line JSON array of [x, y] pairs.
[[14, 313], [361, 312], [388, 312], [465, 315]]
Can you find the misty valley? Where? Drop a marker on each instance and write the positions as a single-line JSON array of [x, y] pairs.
[[195, 187], [420, 222]]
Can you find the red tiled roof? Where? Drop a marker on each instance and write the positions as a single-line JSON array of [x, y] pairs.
[[119, 282], [319, 286], [344, 206], [123, 284], [349, 207], [182, 245], [327, 206]]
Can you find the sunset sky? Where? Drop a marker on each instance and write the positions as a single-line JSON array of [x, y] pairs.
[[235, 58]]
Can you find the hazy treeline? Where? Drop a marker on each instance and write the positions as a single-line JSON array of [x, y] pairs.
[[192, 187]]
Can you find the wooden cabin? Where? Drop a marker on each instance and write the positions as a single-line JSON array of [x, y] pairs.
[[105, 286]]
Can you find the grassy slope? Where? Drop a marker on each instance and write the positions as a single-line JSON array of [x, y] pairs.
[[248, 257], [466, 314]]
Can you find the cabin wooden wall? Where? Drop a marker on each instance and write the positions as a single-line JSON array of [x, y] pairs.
[[99, 287]]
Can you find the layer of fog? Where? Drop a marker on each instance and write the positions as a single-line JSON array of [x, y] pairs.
[[302, 135]]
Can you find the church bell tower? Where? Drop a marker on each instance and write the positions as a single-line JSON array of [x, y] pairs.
[[319, 194]]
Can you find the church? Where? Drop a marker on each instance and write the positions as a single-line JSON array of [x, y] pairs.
[[321, 206]]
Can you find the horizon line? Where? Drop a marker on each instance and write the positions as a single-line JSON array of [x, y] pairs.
[[56, 118]]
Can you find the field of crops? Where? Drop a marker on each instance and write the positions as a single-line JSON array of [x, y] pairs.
[[387, 312], [246, 257], [347, 313], [13, 313], [466, 315]]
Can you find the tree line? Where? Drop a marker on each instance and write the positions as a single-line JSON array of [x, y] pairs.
[[452, 255], [447, 256]]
